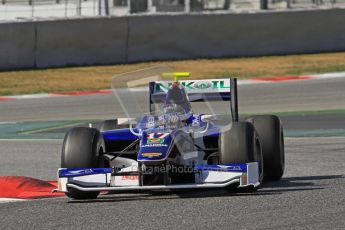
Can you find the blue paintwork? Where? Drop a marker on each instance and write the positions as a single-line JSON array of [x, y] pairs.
[[223, 168], [125, 134], [119, 134], [157, 148], [193, 97], [83, 172], [213, 131], [149, 123]]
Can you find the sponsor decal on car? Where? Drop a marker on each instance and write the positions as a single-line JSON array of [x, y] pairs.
[[156, 138], [151, 154], [225, 167], [155, 141], [157, 135], [130, 177], [214, 85], [155, 145]]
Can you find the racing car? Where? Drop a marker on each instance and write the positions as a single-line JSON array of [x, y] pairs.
[[172, 147]]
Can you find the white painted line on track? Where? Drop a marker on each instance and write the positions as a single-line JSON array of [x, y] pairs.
[[30, 140], [306, 138], [8, 122], [330, 75], [30, 96], [9, 200]]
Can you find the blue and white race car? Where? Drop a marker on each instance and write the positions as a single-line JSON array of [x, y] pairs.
[[173, 147]]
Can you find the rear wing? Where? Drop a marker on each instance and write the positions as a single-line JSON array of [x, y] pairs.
[[199, 90]]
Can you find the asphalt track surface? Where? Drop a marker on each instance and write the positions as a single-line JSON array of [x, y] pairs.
[[310, 196], [320, 94]]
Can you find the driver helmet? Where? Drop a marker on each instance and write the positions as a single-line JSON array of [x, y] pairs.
[[177, 100]]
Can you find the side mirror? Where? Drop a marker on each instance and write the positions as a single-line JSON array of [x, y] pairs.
[[206, 118], [126, 121]]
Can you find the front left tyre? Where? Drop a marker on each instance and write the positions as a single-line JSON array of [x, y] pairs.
[[239, 145], [82, 148], [271, 135]]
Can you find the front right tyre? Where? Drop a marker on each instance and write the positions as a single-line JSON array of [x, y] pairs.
[[82, 148]]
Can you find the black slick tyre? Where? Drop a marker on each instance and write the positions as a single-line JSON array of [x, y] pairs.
[[82, 148], [240, 144], [271, 135]]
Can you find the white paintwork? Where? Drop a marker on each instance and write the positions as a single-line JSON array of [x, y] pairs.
[[62, 184], [218, 176], [97, 180], [124, 181], [207, 179], [157, 187], [253, 172], [208, 118]]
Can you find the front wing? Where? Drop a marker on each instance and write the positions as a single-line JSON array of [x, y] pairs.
[[127, 179]]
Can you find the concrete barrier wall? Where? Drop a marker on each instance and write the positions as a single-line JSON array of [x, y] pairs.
[[195, 36], [158, 37], [17, 45], [81, 42]]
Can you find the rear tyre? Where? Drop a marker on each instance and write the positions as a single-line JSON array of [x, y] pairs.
[[270, 131], [111, 125], [240, 144], [82, 148]]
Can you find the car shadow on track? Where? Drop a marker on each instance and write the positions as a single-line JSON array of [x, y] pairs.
[[166, 196], [286, 184], [303, 183]]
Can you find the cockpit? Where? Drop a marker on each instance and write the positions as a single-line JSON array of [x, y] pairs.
[[176, 101]]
